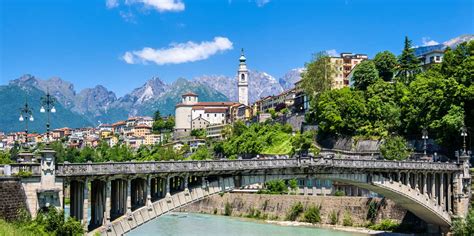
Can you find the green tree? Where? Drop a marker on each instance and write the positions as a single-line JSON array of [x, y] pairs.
[[395, 148], [303, 143], [318, 75], [408, 63], [5, 158], [364, 75], [386, 64], [202, 153], [198, 133], [293, 184]]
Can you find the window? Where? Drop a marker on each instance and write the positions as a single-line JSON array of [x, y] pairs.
[[207, 115], [438, 58], [215, 115], [242, 77]]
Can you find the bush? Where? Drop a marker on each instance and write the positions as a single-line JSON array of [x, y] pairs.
[[347, 220], [23, 174], [385, 225], [295, 211], [227, 209], [395, 148], [372, 212], [333, 217], [276, 186], [293, 184], [465, 226], [312, 214], [339, 193]]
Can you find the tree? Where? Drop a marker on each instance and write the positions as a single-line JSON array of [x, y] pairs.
[[198, 133], [302, 143], [364, 75], [408, 63], [202, 153], [395, 148], [385, 63], [318, 75]]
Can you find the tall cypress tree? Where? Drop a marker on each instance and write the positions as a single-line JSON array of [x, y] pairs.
[[408, 63]]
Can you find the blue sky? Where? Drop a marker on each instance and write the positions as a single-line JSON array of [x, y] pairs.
[[122, 43]]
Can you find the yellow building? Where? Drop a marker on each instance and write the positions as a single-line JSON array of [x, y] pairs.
[[343, 66], [141, 130]]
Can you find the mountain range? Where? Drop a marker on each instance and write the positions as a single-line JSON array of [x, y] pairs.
[[93, 106]]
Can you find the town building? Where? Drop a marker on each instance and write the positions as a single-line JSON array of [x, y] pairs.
[[343, 65], [192, 114]]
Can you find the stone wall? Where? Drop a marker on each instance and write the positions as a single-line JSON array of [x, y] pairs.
[[12, 198], [278, 205]]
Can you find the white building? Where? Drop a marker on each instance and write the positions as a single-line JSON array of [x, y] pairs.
[[243, 85], [192, 114]]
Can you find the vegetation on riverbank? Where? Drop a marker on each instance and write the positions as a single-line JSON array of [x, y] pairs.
[[47, 223]]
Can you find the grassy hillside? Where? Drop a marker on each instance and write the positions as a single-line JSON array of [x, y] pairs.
[[12, 98], [281, 144]]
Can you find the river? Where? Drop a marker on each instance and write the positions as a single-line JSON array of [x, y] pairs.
[[193, 224]]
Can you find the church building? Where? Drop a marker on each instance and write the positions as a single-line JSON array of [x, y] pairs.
[[192, 114]]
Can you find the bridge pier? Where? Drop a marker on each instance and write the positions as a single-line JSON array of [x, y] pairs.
[[85, 208], [98, 189]]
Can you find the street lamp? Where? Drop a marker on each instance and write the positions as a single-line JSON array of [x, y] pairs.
[[424, 136], [26, 115], [464, 135], [47, 105]]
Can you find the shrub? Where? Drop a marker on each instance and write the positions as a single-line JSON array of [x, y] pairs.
[[312, 214], [275, 186], [372, 212], [347, 220], [385, 225], [293, 184], [295, 210], [227, 209], [465, 226], [23, 173], [339, 193], [333, 217], [395, 148]]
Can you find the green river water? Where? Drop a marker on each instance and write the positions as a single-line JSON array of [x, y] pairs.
[[192, 224]]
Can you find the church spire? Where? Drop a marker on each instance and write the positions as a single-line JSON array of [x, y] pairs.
[[242, 79], [242, 57]]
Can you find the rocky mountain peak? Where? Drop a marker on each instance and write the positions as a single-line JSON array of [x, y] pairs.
[[152, 89]]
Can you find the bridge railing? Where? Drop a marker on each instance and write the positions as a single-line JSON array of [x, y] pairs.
[[14, 169], [167, 166], [386, 164]]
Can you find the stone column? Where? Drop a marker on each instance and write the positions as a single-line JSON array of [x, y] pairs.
[[416, 181], [433, 186], [129, 198], [148, 194], [108, 189], [313, 184], [425, 184], [441, 190], [87, 196], [221, 183], [168, 194], [449, 193], [186, 183], [409, 179]]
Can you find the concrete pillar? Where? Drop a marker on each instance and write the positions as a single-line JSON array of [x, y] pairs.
[[433, 186], [221, 183], [313, 185], [305, 187], [449, 193], [441, 190], [168, 194], [108, 189], [416, 181], [129, 198], [186, 183], [148, 192], [85, 208], [425, 184]]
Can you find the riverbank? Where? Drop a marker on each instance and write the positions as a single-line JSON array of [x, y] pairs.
[[349, 213]]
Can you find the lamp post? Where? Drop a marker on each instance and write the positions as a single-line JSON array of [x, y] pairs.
[[464, 135], [26, 115], [47, 105], [424, 136]]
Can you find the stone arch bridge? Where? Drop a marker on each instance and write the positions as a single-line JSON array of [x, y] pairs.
[[122, 196]]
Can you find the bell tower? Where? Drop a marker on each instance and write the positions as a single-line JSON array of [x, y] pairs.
[[242, 80]]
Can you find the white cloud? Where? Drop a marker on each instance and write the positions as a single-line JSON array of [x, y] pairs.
[[428, 42], [128, 16], [261, 3], [179, 53], [332, 53], [159, 5], [111, 3]]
